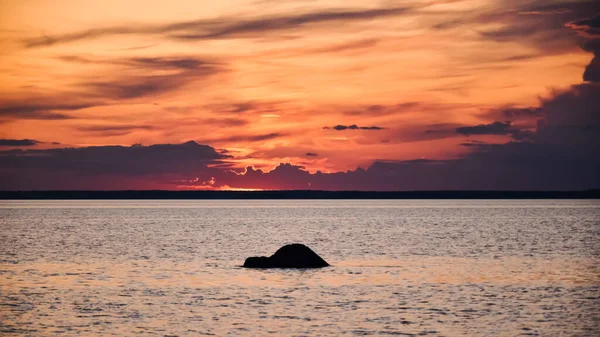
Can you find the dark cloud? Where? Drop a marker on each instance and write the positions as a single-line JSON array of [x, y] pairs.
[[253, 138], [172, 63], [539, 24], [129, 87], [592, 70], [114, 130], [103, 128], [234, 27], [440, 130], [383, 110], [160, 125], [473, 143], [242, 107], [268, 24], [226, 121], [39, 108], [495, 128], [512, 166], [149, 63], [572, 118], [352, 127], [589, 29], [512, 113], [18, 142], [111, 166], [546, 162], [311, 154], [133, 88], [520, 57], [247, 108]]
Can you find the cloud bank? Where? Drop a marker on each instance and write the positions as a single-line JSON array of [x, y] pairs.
[[561, 154]]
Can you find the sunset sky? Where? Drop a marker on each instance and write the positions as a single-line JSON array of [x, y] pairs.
[[299, 94]]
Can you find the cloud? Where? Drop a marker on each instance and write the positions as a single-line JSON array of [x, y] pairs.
[[546, 161], [473, 143], [495, 128], [43, 108], [384, 110], [589, 29], [566, 117], [252, 138], [103, 128], [513, 113], [440, 130], [554, 144], [18, 142], [561, 154], [114, 130], [226, 121], [571, 118], [114, 167], [149, 80], [352, 127], [222, 28], [150, 63], [512, 166], [129, 87], [352, 45], [592, 70], [539, 23], [172, 63], [263, 25], [166, 124]]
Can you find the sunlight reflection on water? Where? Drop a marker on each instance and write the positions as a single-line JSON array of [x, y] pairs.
[[399, 267]]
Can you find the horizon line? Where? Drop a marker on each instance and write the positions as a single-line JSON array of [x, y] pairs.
[[297, 194]]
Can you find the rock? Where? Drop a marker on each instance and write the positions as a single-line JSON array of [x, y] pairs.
[[289, 256]]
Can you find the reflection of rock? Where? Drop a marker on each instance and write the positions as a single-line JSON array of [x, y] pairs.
[[289, 256]]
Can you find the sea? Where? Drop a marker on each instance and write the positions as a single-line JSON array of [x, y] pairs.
[[398, 268]]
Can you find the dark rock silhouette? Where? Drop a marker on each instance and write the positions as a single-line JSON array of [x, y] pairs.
[[289, 256]]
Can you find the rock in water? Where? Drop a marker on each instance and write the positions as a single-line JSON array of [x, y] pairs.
[[295, 255]]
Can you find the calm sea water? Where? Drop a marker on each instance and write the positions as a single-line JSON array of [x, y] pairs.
[[400, 267]]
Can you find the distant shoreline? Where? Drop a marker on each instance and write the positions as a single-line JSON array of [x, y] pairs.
[[289, 194]]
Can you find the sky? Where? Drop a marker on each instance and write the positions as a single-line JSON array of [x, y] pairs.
[[299, 94]]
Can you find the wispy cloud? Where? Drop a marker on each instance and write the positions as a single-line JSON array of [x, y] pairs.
[[340, 127], [149, 80], [128, 87], [252, 138], [18, 142], [495, 128], [43, 108], [227, 27]]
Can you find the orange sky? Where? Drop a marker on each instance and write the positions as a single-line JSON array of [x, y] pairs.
[[269, 80]]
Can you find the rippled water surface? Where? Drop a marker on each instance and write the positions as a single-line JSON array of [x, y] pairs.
[[400, 267]]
